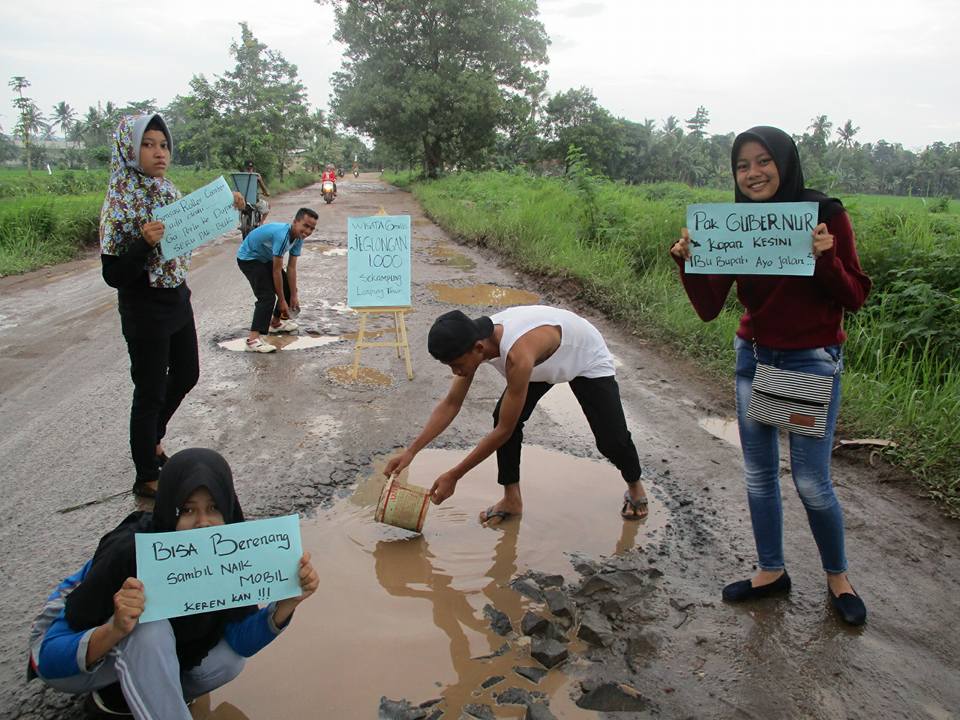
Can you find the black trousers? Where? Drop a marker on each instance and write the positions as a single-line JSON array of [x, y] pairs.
[[260, 275], [164, 369], [599, 399]]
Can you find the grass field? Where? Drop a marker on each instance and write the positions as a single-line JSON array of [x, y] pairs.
[[902, 379], [46, 219]]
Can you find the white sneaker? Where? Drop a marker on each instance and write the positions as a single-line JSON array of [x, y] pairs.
[[285, 326], [259, 346]]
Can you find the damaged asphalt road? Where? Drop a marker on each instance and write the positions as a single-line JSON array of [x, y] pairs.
[[646, 632]]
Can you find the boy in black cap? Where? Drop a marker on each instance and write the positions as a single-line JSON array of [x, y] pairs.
[[534, 347]]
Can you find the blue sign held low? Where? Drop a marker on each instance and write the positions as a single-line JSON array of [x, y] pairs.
[[216, 568]]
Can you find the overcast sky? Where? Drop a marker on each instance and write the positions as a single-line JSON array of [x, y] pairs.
[[891, 67]]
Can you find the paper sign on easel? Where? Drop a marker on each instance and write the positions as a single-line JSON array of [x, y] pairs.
[[217, 568], [378, 261]]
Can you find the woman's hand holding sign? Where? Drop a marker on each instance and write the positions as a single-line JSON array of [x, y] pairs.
[[152, 232], [681, 248], [128, 604], [309, 582], [822, 240]]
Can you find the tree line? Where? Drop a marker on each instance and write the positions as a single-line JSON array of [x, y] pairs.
[[255, 111]]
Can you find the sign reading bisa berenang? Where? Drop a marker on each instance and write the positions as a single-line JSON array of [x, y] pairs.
[[751, 238], [216, 568], [378, 261]]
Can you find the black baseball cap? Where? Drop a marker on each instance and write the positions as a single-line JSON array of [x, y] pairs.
[[453, 334]]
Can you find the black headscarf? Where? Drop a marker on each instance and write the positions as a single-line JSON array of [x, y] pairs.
[[91, 603], [784, 151]]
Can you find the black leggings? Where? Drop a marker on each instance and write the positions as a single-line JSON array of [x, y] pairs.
[[164, 369], [260, 276], [599, 399]]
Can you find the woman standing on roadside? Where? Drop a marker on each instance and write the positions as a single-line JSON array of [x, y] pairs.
[[794, 323], [153, 298]]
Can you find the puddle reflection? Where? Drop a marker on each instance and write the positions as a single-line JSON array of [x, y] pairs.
[[402, 615]]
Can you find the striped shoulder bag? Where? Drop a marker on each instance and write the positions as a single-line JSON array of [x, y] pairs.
[[794, 401]]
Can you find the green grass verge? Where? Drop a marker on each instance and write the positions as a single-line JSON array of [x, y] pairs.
[[902, 380], [49, 219]]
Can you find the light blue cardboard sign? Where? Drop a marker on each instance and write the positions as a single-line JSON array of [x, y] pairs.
[[216, 568], [193, 220], [751, 238], [378, 261]]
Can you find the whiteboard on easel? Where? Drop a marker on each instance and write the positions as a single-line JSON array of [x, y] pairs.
[[378, 261]]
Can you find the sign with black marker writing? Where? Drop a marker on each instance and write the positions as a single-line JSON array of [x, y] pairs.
[[378, 261], [216, 568], [751, 238], [201, 216]]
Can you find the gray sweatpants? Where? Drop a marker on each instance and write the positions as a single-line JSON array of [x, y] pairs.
[[145, 662]]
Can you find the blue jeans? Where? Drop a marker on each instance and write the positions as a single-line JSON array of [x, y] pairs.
[[809, 460]]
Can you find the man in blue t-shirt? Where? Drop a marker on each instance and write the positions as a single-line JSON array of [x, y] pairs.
[[260, 258]]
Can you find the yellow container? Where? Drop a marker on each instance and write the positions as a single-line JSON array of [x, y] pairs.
[[403, 506]]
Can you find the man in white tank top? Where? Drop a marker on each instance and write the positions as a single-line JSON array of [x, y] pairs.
[[534, 347]]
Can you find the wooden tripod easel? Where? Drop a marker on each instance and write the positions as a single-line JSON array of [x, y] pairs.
[[400, 341]]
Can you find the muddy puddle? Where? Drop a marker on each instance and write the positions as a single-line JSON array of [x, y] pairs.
[[449, 256], [401, 615], [366, 376], [723, 428], [482, 295], [283, 342]]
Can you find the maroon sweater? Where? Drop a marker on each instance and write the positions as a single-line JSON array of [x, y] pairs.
[[789, 312]]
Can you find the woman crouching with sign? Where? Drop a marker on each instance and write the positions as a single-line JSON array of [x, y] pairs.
[[88, 637], [792, 325]]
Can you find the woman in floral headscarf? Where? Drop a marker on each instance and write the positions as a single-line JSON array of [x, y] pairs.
[[154, 301]]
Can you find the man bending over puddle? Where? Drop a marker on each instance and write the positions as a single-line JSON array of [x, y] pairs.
[[534, 347]]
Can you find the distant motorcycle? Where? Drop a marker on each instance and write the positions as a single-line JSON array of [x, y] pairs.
[[326, 189], [356, 173]]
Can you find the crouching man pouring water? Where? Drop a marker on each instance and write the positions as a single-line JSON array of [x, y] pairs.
[[534, 347]]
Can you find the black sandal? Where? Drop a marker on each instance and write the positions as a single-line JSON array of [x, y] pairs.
[[635, 506]]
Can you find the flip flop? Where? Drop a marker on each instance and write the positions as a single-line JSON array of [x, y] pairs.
[[489, 514], [635, 506]]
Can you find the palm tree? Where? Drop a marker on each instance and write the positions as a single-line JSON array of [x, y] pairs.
[[846, 133], [64, 116], [31, 119]]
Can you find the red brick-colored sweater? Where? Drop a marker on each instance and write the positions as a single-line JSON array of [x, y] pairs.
[[791, 313]]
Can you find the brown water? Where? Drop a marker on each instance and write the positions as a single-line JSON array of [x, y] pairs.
[[401, 615], [343, 374], [724, 428], [482, 295]]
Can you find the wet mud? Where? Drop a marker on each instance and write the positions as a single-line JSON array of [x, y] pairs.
[[452, 257], [482, 295], [366, 376], [421, 631]]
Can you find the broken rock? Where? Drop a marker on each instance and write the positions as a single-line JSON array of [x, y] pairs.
[[548, 652]]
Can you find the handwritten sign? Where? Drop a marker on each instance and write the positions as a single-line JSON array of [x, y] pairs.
[[751, 238], [378, 261], [216, 568], [193, 220]]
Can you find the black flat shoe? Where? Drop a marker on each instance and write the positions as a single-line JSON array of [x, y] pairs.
[[742, 590], [849, 607], [107, 702], [141, 489]]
